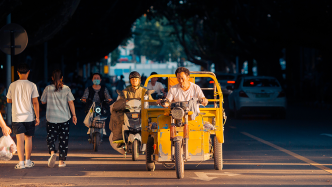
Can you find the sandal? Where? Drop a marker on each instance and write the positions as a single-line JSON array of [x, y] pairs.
[[18, 166], [51, 161], [29, 165], [62, 165]]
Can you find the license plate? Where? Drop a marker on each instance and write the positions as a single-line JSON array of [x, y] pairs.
[[134, 116], [262, 95]]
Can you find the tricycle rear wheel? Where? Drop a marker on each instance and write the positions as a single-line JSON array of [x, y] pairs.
[[179, 163], [217, 154], [150, 165]]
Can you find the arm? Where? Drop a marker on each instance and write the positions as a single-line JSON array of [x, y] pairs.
[[36, 108], [168, 99], [5, 129], [200, 95], [166, 104], [107, 95], [72, 109], [85, 95], [43, 98], [205, 101]]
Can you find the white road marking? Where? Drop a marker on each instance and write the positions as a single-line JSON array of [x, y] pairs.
[[330, 135], [320, 166], [204, 176]]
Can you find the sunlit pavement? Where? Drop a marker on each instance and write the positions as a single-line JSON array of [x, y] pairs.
[[258, 151]]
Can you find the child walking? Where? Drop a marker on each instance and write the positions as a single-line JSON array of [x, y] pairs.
[[60, 101]]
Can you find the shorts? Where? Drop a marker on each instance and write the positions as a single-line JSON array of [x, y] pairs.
[[28, 128]]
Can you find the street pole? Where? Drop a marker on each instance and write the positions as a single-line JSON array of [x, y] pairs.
[[237, 69], [9, 77], [45, 63]]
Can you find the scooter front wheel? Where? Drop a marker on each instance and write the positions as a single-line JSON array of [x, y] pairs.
[[96, 140], [135, 149]]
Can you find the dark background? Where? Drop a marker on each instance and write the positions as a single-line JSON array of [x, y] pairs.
[[81, 31]]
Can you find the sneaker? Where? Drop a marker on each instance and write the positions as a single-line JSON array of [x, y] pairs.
[[18, 166], [62, 165], [51, 161], [29, 164]]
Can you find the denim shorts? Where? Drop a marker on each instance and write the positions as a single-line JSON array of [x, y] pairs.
[[28, 128]]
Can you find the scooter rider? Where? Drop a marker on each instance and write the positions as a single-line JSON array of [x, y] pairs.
[[183, 91], [95, 93], [135, 89]]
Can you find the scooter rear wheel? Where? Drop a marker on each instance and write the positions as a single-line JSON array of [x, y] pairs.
[[135, 149]]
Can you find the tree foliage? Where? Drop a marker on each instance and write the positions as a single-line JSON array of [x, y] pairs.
[[155, 39]]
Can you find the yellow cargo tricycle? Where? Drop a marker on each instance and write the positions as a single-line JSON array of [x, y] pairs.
[[173, 138]]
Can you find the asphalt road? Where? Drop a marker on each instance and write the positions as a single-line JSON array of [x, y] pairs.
[[258, 151]]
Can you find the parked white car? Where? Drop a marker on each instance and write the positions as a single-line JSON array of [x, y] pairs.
[[257, 95]]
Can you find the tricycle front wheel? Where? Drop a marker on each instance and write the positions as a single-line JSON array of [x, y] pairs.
[[179, 163]]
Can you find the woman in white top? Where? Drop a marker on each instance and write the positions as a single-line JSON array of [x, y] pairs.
[[154, 85]]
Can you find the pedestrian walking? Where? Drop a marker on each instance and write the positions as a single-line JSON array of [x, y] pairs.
[[120, 84], [23, 95], [60, 101]]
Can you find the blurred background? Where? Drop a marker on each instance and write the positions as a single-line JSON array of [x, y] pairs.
[[285, 44]]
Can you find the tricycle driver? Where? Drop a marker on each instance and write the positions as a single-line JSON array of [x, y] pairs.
[[184, 91]]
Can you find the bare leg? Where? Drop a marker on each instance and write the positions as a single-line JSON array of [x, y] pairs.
[[28, 147], [20, 146]]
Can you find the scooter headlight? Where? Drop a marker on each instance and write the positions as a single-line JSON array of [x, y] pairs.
[[98, 109], [177, 113]]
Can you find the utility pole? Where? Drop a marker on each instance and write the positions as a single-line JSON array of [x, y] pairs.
[[45, 63], [237, 68], [8, 79]]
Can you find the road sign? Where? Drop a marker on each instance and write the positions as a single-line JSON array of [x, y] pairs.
[[13, 39]]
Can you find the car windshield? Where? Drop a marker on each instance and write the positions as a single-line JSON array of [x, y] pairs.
[[260, 83], [225, 77]]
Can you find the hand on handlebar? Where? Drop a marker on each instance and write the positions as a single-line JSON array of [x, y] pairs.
[[203, 101], [83, 100], [163, 102]]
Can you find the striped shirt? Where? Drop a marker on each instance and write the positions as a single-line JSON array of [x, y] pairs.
[[57, 103]]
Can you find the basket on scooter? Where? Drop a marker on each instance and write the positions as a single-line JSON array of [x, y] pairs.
[[98, 124]]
